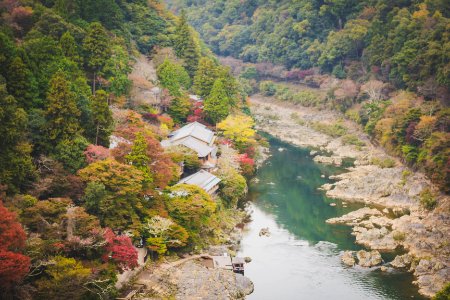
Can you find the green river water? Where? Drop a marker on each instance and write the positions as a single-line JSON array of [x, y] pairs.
[[301, 258]]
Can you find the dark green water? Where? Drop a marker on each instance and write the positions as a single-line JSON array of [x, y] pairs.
[[301, 258]]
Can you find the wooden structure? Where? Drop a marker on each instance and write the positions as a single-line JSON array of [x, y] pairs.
[[204, 180], [197, 137]]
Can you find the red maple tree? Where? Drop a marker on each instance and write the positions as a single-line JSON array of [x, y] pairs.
[[13, 265], [120, 250], [247, 164]]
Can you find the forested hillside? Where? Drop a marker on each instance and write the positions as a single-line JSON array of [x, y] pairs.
[[385, 64], [83, 176], [404, 42]]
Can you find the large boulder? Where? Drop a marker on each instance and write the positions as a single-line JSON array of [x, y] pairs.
[[375, 238], [348, 258], [402, 261], [369, 259]]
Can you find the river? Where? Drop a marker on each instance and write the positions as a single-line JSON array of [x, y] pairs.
[[301, 257]]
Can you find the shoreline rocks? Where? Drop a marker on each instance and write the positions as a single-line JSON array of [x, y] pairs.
[[366, 259], [328, 160], [348, 258], [369, 258], [401, 261]]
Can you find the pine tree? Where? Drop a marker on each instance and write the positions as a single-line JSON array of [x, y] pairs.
[[205, 76], [21, 83], [102, 117], [62, 112], [185, 45], [96, 44], [16, 167], [217, 104]]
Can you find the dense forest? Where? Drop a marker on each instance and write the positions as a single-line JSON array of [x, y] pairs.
[[405, 42], [83, 177], [385, 64]]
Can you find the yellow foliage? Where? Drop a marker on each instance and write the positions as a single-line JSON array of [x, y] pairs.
[[425, 127], [383, 130], [238, 128], [164, 130], [422, 12]]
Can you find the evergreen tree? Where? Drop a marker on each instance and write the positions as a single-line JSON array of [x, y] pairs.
[[173, 76], [62, 112], [69, 47], [230, 84], [97, 48], [7, 50], [185, 45], [16, 167], [217, 104], [71, 153], [205, 76], [21, 83], [102, 117], [179, 108], [138, 157]]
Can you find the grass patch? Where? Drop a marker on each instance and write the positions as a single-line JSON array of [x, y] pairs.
[[405, 175], [383, 162], [351, 139], [273, 117], [398, 236], [428, 199], [334, 130], [294, 116]]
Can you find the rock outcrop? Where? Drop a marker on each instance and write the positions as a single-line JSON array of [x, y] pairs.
[[369, 258], [402, 261], [363, 258], [192, 280], [348, 258], [328, 160], [355, 217]]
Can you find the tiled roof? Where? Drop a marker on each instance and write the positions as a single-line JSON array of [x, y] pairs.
[[203, 179], [196, 130], [195, 136]]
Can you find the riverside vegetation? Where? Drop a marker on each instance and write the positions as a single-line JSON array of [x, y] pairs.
[[83, 177]]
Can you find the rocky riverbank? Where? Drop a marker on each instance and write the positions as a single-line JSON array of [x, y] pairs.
[[395, 219]]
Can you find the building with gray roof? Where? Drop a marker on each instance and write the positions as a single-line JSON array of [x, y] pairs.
[[204, 180], [197, 137]]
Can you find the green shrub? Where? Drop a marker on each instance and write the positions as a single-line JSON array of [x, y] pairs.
[[398, 236], [405, 175], [306, 98], [443, 294], [428, 199], [351, 139], [353, 114], [383, 162], [334, 130], [268, 88]]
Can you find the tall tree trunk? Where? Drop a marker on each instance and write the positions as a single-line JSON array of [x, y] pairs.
[[93, 83], [96, 134]]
